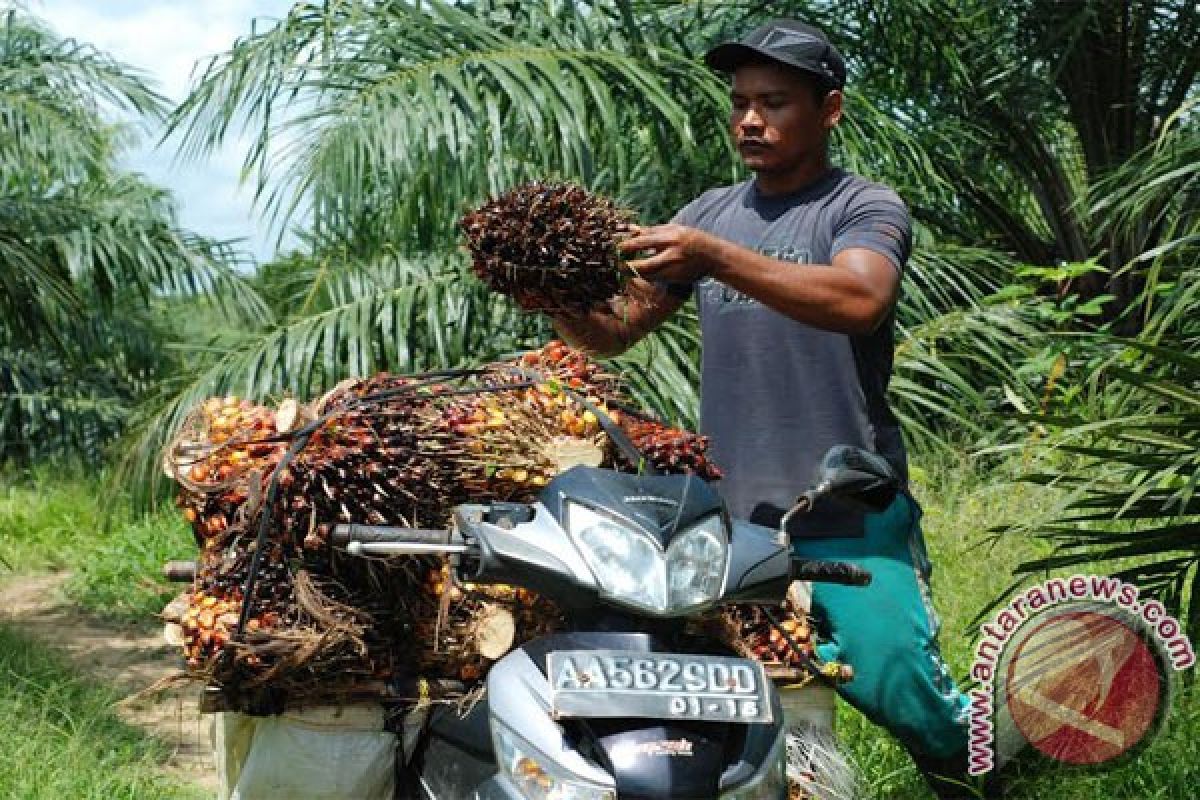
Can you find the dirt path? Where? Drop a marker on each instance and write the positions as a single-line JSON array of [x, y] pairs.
[[125, 658]]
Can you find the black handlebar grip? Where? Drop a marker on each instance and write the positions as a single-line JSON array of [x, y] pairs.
[[830, 572], [180, 571], [344, 534]]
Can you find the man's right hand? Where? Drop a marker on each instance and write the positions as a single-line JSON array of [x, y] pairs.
[[612, 330]]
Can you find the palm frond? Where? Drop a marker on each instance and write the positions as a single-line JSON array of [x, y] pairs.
[[662, 372], [1130, 487], [424, 108]]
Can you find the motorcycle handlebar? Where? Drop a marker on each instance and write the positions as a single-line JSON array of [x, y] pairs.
[[180, 571], [378, 534], [830, 572]]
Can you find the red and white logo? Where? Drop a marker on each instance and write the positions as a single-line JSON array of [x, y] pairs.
[[1083, 686]]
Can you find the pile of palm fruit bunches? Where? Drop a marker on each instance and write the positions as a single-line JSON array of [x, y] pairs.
[[392, 450]]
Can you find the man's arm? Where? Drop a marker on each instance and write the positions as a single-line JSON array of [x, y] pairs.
[[853, 297], [641, 308]]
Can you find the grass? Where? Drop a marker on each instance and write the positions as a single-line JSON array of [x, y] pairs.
[[65, 520], [970, 570], [60, 738]]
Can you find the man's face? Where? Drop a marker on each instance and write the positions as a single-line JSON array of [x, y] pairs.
[[777, 121]]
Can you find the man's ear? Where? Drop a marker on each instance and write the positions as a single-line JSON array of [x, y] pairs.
[[831, 109]]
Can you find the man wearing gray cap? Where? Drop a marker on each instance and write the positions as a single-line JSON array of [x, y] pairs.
[[796, 274]]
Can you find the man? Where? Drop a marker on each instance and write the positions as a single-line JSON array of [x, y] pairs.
[[796, 274]]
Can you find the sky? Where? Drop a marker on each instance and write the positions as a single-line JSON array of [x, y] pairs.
[[165, 39]]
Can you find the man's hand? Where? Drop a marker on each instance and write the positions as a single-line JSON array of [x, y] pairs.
[[680, 253], [611, 330]]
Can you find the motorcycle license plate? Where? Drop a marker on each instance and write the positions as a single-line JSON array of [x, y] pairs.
[[618, 683]]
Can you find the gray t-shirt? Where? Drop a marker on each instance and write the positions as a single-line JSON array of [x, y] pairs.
[[776, 393]]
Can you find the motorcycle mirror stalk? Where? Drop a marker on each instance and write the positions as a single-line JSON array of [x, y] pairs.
[[861, 478]]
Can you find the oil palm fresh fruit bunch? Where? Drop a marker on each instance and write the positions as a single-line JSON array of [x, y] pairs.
[[759, 639], [549, 246], [572, 368], [670, 450]]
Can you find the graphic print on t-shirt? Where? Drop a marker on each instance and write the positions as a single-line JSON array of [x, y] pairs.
[[726, 299]]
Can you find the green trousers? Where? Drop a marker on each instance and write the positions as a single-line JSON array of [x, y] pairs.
[[887, 632]]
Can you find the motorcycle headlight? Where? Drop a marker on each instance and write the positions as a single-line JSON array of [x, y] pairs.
[[696, 565], [535, 775], [627, 563], [631, 567]]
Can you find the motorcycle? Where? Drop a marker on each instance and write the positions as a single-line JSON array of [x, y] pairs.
[[625, 702]]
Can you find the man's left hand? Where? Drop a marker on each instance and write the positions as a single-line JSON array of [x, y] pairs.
[[679, 253]]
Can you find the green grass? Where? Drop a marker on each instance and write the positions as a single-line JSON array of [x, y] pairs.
[[970, 570], [67, 521], [60, 739]]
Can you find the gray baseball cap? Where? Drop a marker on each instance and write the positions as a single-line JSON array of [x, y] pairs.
[[787, 41]]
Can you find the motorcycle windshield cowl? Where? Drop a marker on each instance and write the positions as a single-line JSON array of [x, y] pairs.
[[658, 505]]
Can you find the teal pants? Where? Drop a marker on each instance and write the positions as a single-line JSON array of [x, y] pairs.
[[887, 632]]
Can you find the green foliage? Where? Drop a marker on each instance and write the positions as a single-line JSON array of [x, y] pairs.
[[961, 497], [57, 519], [401, 115], [60, 737], [1119, 427], [1131, 478], [1015, 104], [1165, 770], [45, 518], [86, 248], [120, 576]]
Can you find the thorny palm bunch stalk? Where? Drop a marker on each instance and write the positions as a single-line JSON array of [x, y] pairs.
[[549, 246]]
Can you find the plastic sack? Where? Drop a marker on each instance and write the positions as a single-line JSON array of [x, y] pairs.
[[314, 754]]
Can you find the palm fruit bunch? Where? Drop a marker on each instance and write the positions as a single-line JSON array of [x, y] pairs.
[[210, 620], [671, 450], [549, 246], [220, 444], [374, 462], [572, 369], [518, 444], [747, 630], [759, 639], [471, 625], [223, 455]]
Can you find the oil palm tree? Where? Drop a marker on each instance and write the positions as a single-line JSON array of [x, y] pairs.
[[87, 250], [1025, 108], [1132, 446]]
